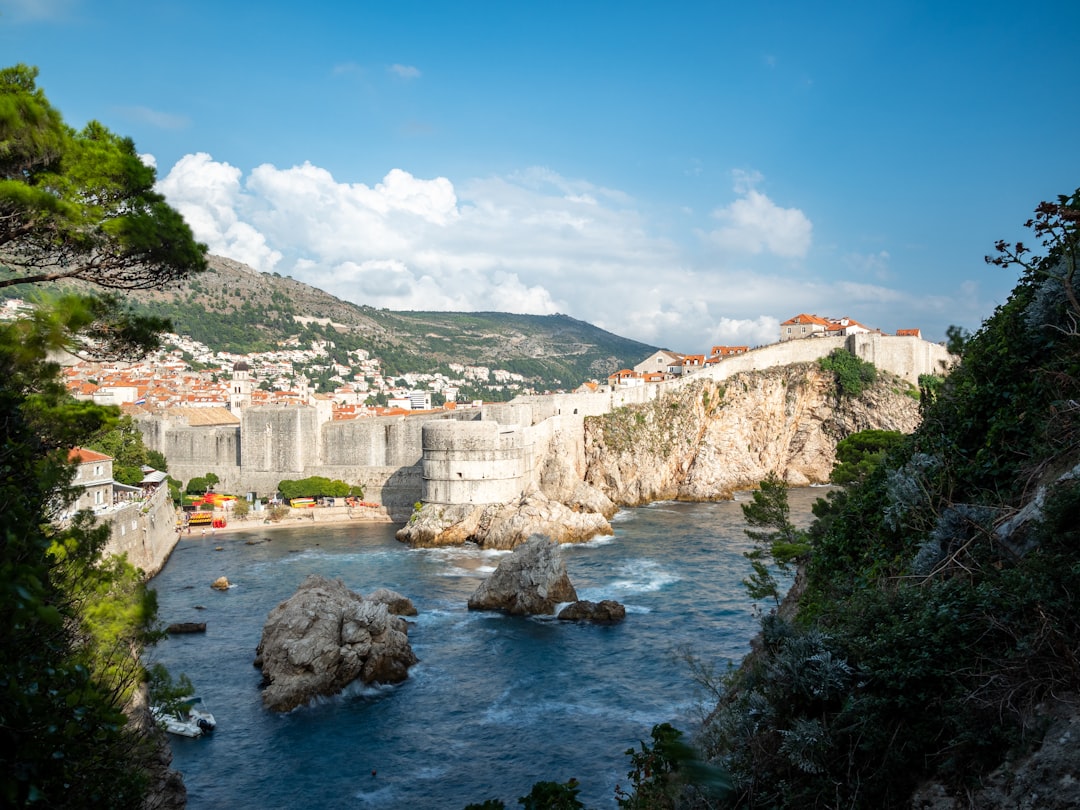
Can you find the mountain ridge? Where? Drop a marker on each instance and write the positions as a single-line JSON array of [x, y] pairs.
[[232, 307]]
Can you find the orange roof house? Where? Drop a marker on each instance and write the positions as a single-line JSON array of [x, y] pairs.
[[803, 326], [727, 351]]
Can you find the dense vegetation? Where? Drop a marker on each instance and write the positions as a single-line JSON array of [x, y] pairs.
[[72, 205], [926, 630]]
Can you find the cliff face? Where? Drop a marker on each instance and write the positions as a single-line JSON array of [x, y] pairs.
[[710, 439]]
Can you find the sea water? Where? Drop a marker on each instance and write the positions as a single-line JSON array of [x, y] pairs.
[[496, 703]]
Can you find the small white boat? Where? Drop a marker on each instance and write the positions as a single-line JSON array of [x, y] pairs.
[[186, 721]]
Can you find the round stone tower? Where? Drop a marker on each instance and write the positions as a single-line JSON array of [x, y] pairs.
[[473, 462]]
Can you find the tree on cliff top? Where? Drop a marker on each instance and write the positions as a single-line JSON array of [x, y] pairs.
[[80, 205]]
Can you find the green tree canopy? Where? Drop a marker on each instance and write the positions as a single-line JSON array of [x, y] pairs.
[[775, 537], [72, 206], [80, 205], [853, 375], [317, 486], [71, 619], [859, 454]]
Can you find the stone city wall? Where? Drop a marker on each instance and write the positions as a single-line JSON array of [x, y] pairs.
[[465, 460], [279, 438], [144, 530], [195, 451], [906, 357]]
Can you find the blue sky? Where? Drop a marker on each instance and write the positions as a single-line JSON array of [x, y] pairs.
[[682, 173]]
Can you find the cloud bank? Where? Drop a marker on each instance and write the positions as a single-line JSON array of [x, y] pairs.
[[531, 242]]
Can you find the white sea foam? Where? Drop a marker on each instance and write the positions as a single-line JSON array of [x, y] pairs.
[[382, 796], [641, 576]]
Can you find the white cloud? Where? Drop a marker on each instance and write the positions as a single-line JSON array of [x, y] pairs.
[[530, 242], [209, 196], [873, 264], [754, 224], [405, 71]]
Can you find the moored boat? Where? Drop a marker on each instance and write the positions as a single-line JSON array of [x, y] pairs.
[[186, 721]]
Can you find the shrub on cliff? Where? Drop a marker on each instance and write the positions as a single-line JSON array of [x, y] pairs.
[[853, 376]]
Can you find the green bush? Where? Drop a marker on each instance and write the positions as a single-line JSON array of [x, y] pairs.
[[860, 453], [317, 486], [853, 376]]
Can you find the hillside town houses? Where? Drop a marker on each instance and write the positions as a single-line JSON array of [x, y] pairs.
[[227, 382]]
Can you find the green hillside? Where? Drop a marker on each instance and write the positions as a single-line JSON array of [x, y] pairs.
[[233, 308]]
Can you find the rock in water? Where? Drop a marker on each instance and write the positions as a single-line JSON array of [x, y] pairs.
[[186, 627], [323, 638], [221, 584], [396, 603], [607, 611], [531, 580]]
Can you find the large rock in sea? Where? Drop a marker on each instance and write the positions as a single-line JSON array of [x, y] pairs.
[[323, 638], [507, 525], [531, 580]]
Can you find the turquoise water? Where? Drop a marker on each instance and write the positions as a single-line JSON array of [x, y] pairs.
[[496, 702]]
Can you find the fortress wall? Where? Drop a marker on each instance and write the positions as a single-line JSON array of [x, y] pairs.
[[144, 531], [561, 436], [154, 432], [907, 357], [523, 411], [194, 451], [404, 440], [473, 462], [279, 438], [776, 354], [218, 445], [534, 409], [356, 442], [389, 456]]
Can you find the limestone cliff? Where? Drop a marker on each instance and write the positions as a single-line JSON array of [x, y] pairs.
[[709, 439]]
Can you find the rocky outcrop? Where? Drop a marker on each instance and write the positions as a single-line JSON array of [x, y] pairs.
[[709, 439], [221, 584], [165, 789], [607, 611], [323, 638], [508, 525], [1048, 778], [395, 603], [532, 580]]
